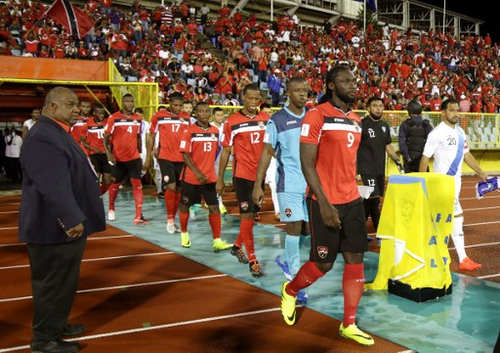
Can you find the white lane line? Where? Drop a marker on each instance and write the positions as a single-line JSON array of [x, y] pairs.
[[489, 276], [101, 259], [88, 239], [479, 245], [481, 208], [125, 286], [480, 224], [156, 327]]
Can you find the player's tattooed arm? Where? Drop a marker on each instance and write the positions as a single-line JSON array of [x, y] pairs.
[[107, 148]]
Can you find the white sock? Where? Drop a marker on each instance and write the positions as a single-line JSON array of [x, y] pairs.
[[458, 237]]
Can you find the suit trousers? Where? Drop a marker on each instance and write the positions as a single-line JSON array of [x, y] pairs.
[[55, 270]]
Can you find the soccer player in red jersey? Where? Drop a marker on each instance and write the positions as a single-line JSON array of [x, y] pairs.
[[244, 133], [329, 142], [94, 143], [166, 131], [122, 142], [79, 129], [199, 148]]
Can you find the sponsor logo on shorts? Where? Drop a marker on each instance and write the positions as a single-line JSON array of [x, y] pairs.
[[288, 212], [185, 199], [244, 206], [322, 251]]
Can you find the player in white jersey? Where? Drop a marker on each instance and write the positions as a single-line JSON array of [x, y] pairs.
[[28, 124], [448, 144]]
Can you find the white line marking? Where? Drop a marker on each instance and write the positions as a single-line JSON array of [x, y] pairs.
[[88, 239], [475, 198], [101, 259], [125, 286], [489, 276], [480, 224], [156, 327], [3, 212], [479, 245], [8, 228], [481, 208]]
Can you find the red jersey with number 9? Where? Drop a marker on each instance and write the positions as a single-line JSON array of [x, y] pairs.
[[124, 131], [337, 135], [201, 144], [95, 135], [168, 129], [246, 135]]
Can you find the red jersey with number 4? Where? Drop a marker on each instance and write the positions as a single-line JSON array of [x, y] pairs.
[[168, 129], [201, 144], [95, 135], [246, 135], [124, 131], [79, 130], [337, 135]]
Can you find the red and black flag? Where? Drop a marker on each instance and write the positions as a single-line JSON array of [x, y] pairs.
[[73, 19]]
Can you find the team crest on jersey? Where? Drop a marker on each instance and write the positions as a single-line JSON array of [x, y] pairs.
[[358, 127], [244, 206], [288, 212], [322, 251], [262, 125]]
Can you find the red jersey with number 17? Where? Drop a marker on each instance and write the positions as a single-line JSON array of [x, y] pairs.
[[78, 130], [125, 131], [201, 144], [95, 134], [337, 135], [168, 129], [246, 135]]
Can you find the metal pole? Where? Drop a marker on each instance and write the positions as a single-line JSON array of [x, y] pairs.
[[364, 19], [444, 16], [272, 10]]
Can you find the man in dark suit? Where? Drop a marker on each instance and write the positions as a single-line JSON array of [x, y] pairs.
[[60, 207]]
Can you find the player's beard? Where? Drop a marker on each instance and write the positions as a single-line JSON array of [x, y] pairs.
[[374, 117], [345, 97]]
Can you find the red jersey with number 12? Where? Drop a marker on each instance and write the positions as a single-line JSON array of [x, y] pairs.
[[168, 128], [201, 144], [95, 134], [246, 135], [124, 131], [337, 135]]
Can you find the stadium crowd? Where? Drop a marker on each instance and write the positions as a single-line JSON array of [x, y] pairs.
[[163, 45]]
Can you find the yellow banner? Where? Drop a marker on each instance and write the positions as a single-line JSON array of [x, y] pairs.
[[415, 226]]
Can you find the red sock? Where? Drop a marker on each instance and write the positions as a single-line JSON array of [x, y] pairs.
[[177, 200], [113, 192], [138, 197], [352, 286], [238, 241], [170, 204], [214, 220], [183, 219], [103, 188], [246, 226], [307, 275]]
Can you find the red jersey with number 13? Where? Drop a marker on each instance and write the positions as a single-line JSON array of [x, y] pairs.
[[168, 129], [124, 131], [337, 135], [95, 135], [246, 135], [201, 144]]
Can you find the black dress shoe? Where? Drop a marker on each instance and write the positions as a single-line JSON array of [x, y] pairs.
[[58, 346], [73, 330]]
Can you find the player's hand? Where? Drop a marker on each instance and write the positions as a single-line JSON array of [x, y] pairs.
[[75, 232], [111, 159], [482, 175], [257, 195], [330, 215], [219, 187], [399, 166], [202, 178], [147, 164]]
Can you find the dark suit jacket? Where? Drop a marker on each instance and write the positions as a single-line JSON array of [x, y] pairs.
[[60, 188]]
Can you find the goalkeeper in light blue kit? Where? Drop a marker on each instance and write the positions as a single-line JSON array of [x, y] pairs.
[[282, 140]]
